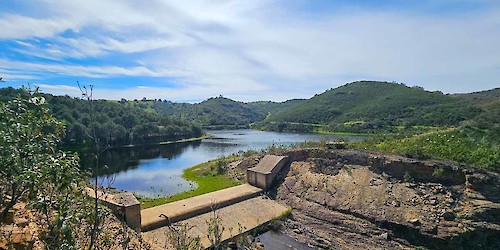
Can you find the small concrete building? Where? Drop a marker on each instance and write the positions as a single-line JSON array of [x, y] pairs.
[[265, 172], [123, 204]]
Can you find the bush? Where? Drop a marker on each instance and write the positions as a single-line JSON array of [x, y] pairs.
[[33, 170]]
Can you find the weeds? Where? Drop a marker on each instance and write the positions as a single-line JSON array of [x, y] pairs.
[[178, 236], [215, 230]]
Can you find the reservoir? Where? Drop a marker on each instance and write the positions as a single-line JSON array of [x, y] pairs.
[[156, 170]]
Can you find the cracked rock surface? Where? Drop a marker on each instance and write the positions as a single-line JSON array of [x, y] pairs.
[[345, 199]]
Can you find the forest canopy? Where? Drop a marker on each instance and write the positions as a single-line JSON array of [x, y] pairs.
[[117, 123]]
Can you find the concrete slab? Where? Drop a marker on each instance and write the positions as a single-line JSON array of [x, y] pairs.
[[268, 163], [265, 172], [156, 217], [236, 219]]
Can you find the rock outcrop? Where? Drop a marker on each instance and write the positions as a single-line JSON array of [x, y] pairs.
[[346, 199]]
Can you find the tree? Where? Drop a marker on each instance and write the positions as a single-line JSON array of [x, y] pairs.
[[34, 171]]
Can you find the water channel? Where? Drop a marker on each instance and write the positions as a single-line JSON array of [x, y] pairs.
[[156, 171]]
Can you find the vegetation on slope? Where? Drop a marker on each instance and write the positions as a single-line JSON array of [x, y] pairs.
[[464, 145], [221, 112], [373, 107], [117, 123], [35, 175]]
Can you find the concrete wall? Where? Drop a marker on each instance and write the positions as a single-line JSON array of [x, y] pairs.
[[257, 179], [278, 168], [265, 180], [123, 204]]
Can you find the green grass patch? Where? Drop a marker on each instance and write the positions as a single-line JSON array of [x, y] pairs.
[[206, 175], [350, 123]]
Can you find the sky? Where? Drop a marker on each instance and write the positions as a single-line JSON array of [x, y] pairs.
[[188, 51]]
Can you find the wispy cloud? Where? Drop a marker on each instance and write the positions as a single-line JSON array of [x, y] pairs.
[[253, 50]]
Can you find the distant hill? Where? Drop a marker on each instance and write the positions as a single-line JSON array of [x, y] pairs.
[[363, 106], [368, 105], [221, 112], [268, 107]]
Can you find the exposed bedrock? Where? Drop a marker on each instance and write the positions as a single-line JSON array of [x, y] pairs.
[[348, 199]]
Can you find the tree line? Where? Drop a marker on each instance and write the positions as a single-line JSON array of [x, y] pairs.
[[116, 123]]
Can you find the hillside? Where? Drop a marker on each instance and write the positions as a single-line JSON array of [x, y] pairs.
[[268, 107], [116, 123], [364, 106], [221, 112], [215, 113], [367, 106]]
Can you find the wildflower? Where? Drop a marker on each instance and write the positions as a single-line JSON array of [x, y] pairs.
[[37, 100]]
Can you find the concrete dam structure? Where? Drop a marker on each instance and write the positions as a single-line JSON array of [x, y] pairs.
[[241, 208]]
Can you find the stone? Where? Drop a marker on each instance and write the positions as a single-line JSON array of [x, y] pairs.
[[21, 221], [415, 222], [449, 216], [384, 236], [322, 242], [232, 245], [395, 203]]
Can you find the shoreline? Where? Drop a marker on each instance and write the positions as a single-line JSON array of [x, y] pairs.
[[193, 139], [206, 181]]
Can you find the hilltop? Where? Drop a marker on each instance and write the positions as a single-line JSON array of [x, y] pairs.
[[374, 106], [359, 107], [220, 112], [363, 106]]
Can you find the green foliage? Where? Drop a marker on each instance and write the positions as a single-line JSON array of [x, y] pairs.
[[116, 123], [221, 163], [34, 171], [178, 236], [215, 113], [215, 231], [276, 148], [416, 153], [438, 171], [222, 113], [468, 145], [408, 178], [311, 144], [372, 107]]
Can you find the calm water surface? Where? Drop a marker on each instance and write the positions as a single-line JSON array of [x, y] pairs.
[[156, 171]]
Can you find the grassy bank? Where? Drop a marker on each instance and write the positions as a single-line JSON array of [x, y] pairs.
[[207, 176]]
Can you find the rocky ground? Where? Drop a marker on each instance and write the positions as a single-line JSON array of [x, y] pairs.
[[24, 230], [345, 199]]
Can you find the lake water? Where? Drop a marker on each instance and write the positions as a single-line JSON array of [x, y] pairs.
[[156, 171]]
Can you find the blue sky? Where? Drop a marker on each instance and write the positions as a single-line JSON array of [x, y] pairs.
[[247, 50]]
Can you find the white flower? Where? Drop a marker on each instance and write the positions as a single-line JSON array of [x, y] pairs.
[[37, 100]]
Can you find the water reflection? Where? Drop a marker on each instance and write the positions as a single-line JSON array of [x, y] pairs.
[[156, 171]]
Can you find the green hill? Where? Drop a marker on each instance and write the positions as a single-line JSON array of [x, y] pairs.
[[116, 123], [370, 106], [268, 108], [221, 112]]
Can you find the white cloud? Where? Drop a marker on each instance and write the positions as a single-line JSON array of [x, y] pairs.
[[244, 49]]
